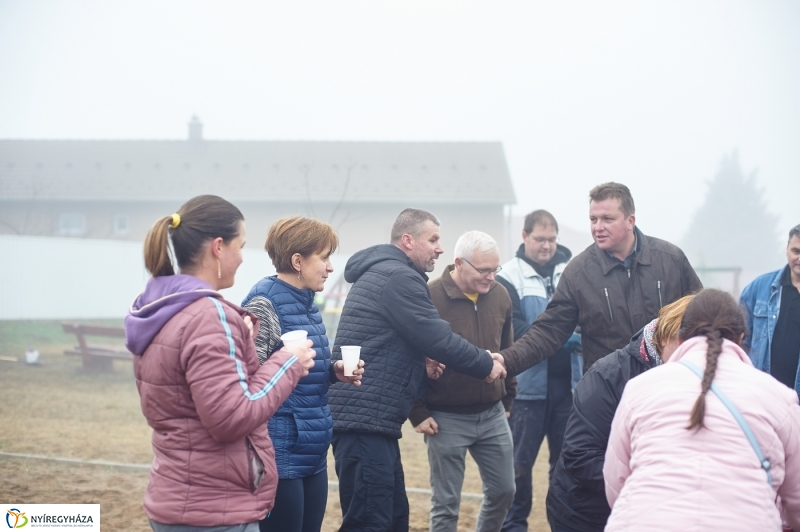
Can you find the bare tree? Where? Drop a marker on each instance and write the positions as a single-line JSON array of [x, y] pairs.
[[349, 172]]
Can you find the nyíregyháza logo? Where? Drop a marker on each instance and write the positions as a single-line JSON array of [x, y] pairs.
[[18, 517]]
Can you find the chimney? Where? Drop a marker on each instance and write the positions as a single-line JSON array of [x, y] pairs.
[[195, 129]]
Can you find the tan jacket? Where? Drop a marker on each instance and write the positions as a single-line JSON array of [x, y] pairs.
[[486, 324]]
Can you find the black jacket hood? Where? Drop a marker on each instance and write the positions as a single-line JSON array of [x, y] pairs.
[[363, 260]]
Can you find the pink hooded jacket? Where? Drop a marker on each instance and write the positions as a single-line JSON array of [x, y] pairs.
[[207, 400], [660, 476]]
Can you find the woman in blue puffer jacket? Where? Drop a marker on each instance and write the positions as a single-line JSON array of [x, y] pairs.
[[301, 430]]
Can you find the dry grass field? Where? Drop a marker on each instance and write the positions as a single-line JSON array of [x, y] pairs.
[[56, 410]]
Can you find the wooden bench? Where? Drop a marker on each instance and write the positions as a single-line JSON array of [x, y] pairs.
[[96, 358]]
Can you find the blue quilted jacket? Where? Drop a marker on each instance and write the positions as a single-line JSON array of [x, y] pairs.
[[301, 429]]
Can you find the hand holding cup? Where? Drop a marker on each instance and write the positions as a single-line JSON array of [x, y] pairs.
[[351, 367], [298, 344]]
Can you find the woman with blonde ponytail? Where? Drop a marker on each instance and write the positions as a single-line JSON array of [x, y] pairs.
[[202, 389], [705, 441]]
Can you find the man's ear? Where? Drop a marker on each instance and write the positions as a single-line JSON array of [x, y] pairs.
[[407, 241], [632, 220]]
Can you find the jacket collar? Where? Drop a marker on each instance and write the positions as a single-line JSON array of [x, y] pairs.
[[451, 288], [776, 282], [402, 256], [642, 255], [562, 254], [303, 295], [696, 348]]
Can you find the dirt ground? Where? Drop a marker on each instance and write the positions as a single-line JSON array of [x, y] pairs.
[[56, 410]]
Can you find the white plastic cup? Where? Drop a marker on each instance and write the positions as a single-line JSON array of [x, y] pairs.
[[31, 356], [351, 354], [294, 338]]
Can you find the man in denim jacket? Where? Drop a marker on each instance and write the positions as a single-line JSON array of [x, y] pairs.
[[772, 303]]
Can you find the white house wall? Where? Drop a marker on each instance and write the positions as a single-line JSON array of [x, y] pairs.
[[71, 279]]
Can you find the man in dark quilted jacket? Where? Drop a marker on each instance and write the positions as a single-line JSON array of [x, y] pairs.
[[389, 313]]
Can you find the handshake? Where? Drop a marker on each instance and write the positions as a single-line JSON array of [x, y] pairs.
[[435, 369], [498, 368]]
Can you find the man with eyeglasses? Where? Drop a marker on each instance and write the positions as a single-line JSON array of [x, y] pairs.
[[544, 392], [459, 413]]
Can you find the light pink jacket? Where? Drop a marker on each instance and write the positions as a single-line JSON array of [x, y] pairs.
[[660, 476]]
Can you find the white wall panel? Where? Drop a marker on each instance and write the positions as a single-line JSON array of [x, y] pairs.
[[71, 278]]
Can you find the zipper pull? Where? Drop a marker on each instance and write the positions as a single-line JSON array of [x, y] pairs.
[[660, 301], [608, 301], [629, 273]]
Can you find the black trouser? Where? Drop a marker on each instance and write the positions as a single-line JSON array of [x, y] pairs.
[[372, 490], [299, 505]]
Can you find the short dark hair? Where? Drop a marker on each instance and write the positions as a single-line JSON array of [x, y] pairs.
[[298, 234], [794, 232], [616, 191], [539, 217], [410, 222], [201, 219]]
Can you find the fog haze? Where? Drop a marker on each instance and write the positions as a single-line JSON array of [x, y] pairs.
[[651, 94]]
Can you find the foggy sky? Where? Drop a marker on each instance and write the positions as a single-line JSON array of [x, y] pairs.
[[651, 94]]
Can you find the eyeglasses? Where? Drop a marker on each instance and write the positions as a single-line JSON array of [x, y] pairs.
[[542, 240], [483, 273]]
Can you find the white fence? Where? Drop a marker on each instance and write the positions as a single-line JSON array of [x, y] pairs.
[[69, 278]]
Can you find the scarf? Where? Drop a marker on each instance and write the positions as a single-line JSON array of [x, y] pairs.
[[647, 349]]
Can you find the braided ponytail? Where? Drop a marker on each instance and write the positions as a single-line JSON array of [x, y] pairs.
[[715, 315]]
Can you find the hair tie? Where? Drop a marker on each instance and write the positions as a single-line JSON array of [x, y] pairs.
[[176, 220]]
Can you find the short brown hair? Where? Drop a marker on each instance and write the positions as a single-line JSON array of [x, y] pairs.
[[669, 321], [616, 191], [539, 217], [298, 234]]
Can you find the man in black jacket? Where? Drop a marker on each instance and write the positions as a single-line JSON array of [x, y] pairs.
[[611, 289], [389, 313]]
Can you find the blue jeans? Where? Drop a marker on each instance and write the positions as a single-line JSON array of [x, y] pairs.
[[530, 422]]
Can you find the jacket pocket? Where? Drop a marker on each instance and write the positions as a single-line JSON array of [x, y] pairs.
[[760, 320], [283, 431], [255, 466]]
